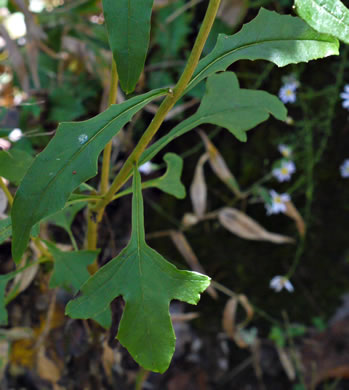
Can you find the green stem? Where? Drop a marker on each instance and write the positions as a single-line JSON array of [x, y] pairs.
[[3, 186], [107, 150], [92, 222], [165, 106], [72, 239], [141, 378]]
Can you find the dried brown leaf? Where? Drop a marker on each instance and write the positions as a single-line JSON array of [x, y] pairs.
[[189, 219], [34, 35], [293, 213], [23, 280], [219, 166], [245, 227], [232, 11], [4, 356], [183, 317], [17, 333], [47, 368], [16, 59], [229, 318], [108, 360], [162, 3], [187, 252], [198, 188], [286, 364]]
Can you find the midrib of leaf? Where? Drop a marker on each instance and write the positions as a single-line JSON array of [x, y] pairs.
[[80, 150], [137, 192], [128, 40], [323, 8], [148, 315], [142, 248], [244, 47], [71, 270]]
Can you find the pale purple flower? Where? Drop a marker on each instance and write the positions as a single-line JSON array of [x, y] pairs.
[[278, 203], [285, 150], [279, 282], [345, 96], [287, 93], [285, 171], [344, 168]]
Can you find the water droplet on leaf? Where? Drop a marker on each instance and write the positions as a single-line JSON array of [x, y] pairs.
[[82, 138]]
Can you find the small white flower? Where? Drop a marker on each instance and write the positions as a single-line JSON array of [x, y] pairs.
[[345, 96], [15, 135], [15, 25], [287, 93], [18, 97], [147, 168], [279, 282], [285, 150], [285, 171], [5, 78], [344, 168], [277, 203], [36, 6]]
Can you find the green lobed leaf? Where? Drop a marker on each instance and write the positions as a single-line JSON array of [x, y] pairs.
[[147, 283], [14, 164], [65, 218], [170, 182], [128, 26], [69, 159], [225, 104], [70, 272], [325, 16], [70, 268], [281, 39]]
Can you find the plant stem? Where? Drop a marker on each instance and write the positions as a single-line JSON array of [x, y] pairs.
[[3, 186], [165, 106], [92, 221], [37, 242], [73, 241], [107, 150]]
